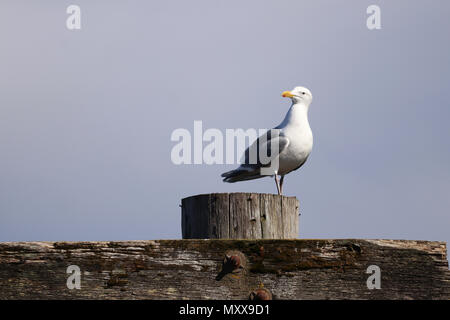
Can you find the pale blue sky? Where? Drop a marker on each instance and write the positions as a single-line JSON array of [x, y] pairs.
[[86, 116]]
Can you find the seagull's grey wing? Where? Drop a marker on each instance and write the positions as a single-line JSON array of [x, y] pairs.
[[252, 161], [264, 149]]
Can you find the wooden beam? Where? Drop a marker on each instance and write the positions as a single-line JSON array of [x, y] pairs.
[[193, 269]]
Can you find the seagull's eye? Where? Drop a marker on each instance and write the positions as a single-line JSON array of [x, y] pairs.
[[303, 92]]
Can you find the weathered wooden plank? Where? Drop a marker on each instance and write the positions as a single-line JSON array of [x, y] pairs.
[[271, 218], [195, 225], [239, 216], [254, 203], [244, 208], [219, 216], [288, 205], [188, 269]]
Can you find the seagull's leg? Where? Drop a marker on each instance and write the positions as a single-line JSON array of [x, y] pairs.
[[281, 184], [278, 184]]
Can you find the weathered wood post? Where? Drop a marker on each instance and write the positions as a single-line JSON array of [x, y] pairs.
[[239, 216]]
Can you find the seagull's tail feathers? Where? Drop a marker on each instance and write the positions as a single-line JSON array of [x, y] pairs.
[[241, 174]]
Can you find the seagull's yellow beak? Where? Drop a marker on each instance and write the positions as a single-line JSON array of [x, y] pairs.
[[287, 94]]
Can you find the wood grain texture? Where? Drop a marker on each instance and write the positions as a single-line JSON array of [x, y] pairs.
[[188, 269], [239, 216]]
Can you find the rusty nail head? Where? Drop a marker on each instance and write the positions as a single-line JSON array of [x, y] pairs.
[[233, 261], [261, 294]]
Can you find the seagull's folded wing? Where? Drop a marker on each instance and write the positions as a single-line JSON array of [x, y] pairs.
[[267, 147], [260, 154]]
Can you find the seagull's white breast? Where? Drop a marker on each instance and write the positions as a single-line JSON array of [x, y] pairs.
[[296, 128]]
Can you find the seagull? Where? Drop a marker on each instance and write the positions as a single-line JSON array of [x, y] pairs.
[[293, 137]]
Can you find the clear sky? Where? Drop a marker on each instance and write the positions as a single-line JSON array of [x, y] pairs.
[[86, 115]]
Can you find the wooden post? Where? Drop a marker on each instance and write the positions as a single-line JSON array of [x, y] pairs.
[[239, 216]]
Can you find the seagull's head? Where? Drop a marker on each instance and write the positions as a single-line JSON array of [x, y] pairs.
[[299, 95]]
